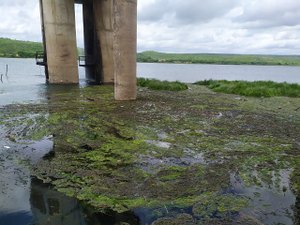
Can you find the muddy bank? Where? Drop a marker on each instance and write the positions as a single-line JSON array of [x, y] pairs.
[[190, 157]]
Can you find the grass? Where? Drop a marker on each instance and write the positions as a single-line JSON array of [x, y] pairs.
[[256, 89], [226, 59], [161, 85]]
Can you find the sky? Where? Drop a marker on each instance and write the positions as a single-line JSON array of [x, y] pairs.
[[191, 26]]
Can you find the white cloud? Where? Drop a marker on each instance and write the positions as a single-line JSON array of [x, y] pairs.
[[268, 13], [244, 26], [20, 19], [231, 26]]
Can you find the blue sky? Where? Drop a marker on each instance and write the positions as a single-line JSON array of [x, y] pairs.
[[213, 26]]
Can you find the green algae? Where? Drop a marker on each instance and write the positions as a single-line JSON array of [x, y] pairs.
[[163, 150], [211, 204]]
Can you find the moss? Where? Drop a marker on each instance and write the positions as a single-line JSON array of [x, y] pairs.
[[181, 219], [115, 153], [171, 173], [214, 205]]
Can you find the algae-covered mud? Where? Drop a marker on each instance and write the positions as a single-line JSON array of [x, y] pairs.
[[189, 157]]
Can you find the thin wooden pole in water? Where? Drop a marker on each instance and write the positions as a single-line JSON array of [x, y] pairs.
[[6, 71]]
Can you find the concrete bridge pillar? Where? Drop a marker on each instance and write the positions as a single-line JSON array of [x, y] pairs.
[[110, 30], [125, 42], [104, 21], [58, 18], [91, 49]]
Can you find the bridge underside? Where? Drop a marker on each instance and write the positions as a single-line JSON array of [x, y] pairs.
[[109, 38]]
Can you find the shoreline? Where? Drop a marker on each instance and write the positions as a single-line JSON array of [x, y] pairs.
[[191, 63]]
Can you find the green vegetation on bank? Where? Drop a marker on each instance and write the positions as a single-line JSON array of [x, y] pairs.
[[256, 89], [26, 49], [19, 49], [161, 85], [227, 59], [22, 49]]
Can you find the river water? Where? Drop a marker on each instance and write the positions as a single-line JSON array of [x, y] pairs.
[[22, 199], [26, 81], [194, 72]]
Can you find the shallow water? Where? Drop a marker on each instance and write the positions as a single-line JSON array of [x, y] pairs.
[[270, 203], [191, 73], [26, 81]]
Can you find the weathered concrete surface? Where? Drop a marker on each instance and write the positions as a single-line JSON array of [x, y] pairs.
[[44, 38], [104, 19], [60, 40], [125, 32]]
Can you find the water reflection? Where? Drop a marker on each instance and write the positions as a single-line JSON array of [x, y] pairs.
[[297, 210], [15, 163], [27, 201], [271, 203], [50, 207]]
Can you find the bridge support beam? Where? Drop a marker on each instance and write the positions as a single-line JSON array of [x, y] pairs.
[[110, 30], [60, 40]]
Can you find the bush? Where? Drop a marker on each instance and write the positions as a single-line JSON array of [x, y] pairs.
[[256, 88], [161, 85]]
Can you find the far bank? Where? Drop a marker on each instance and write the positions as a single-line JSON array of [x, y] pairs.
[[10, 48]]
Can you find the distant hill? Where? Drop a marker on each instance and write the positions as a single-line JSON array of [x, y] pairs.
[[19, 49], [27, 49], [227, 59], [22, 49]]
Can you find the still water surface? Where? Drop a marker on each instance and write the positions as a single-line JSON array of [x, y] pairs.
[[194, 72], [24, 201], [26, 81]]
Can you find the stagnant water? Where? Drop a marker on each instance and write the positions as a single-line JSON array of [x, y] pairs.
[[25, 201]]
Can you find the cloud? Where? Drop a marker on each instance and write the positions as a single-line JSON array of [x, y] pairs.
[[183, 12], [20, 19], [225, 26], [270, 13], [244, 26]]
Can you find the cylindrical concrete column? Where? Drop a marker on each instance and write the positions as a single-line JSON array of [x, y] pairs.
[[104, 18], [125, 47], [44, 39], [60, 40]]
